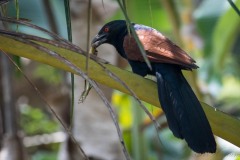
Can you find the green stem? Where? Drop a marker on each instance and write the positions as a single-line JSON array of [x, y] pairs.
[[69, 31], [137, 135]]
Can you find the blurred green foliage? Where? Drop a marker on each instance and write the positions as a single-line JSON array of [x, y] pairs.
[[34, 121], [49, 74], [148, 12], [225, 33], [45, 156], [119, 99]]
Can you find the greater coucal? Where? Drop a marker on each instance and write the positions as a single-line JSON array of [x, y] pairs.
[[184, 113]]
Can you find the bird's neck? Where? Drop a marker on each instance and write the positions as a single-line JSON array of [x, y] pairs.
[[118, 43]]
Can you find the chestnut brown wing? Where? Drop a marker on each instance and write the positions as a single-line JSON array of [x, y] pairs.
[[158, 48]]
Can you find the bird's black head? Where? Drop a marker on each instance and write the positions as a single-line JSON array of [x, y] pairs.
[[111, 33]]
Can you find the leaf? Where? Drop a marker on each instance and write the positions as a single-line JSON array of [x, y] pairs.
[[226, 31], [234, 7], [223, 125]]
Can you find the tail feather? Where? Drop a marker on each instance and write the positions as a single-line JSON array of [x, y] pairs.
[[184, 113], [165, 99]]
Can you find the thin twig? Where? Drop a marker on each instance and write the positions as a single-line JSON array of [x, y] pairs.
[[58, 44], [43, 40], [88, 32], [133, 32], [97, 89], [70, 46], [49, 106], [87, 86], [124, 6], [53, 35], [61, 42], [150, 10], [39, 39], [115, 77]]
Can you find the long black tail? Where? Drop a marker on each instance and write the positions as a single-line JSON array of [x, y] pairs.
[[184, 113]]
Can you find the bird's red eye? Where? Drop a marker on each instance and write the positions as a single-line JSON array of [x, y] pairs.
[[106, 29]]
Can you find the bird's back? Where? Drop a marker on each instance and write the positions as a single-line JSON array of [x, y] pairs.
[[159, 49]]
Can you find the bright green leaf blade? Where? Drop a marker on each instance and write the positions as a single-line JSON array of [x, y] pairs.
[[222, 124], [234, 7], [226, 31]]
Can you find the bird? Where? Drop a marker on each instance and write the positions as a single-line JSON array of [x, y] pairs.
[[184, 113]]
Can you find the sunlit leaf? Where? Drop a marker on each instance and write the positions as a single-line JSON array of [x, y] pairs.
[[226, 31], [222, 124]]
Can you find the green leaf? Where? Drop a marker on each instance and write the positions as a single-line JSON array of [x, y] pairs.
[[234, 7], [223, 125], [226, 31]]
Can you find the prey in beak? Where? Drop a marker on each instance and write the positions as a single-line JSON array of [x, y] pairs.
[[99, 39]]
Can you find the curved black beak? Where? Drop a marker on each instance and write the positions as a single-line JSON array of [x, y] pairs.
[[99, 39]]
